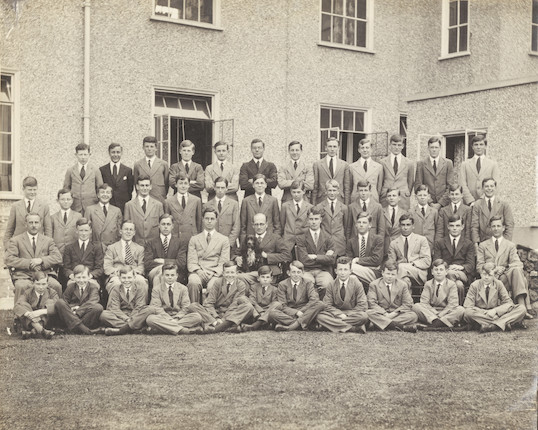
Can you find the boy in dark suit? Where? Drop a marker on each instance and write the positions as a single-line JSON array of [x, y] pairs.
[[455, 207], [118, 176], [263, 297], [64, 221], [193, 170], [257, 166]]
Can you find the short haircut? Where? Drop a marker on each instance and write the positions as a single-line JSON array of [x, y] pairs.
[[81, 268], [396, 138], [221, 179], [264, 270], [434, 139], [295, 142], [259, 176], [363, 183], [257, 141], [37, 275], [487, 180], [314, 211], [406, 217], [186, 144], [126, 269], [128, 221], [143, 178], [390, 265], [114, 145], [363, 214], [455, 187], [170, 266], [165, 216], [297, 185], [82, 147], [29, 181], [422, 187], [479, 138], [182, 176], [332, 139], [209, 209], [297, 264], [390, 190], [221, 143], [229, 263], [364, 142], [344, 260], [62, 191], [29, 214], [82, 221], [497, 218], [440, 262], [105, 186], [332, 183], [489, 268], [454, 218], [149, 139]]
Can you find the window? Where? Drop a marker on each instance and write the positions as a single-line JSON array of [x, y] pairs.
[[347, 23], [458, 146], [534, 30], [192, 12], [7, 133], [403, 131], [347, 125], [455, 36]]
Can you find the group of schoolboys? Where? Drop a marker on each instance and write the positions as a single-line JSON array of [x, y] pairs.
[[134, 255]]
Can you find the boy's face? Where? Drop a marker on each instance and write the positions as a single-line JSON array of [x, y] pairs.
[[30, 193], [115, 154], [332, 148], [363, 225], [439, 273], [343, 271], [265, 280], [314, 221], [165, 226], [393, 198], [295, 152], [487, 277], [396, 147], [209, 221], [406, 227], [434, 149], [259, 186], [128, 231], [104, 195], [221, 152], [83, 155], [364, 193], [455, 228], [479, 148], [82, 278], [41, 285], [220, 189], [489, 189], [65, 201], [230, 273], [150, 149], [182, 186], [297, 194], [295, 274], [497, 228], [257, 150], [422, 197], [127, 279], [186, 153], [389, 275], [143, 187], [84, 232], [365, 150], [455, 196], [332, 192], [170, 276]]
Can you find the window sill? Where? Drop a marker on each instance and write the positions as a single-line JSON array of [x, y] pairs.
[[187, 23], [346, 47], [533, 53], [11, 196], [454, 55]]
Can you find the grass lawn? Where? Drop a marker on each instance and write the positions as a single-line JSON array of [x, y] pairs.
[[270, 380]]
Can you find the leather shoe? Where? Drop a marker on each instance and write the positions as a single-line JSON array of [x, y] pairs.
[[26, 334], [486, 328], [280, 327], [99, 330], [409, 328], [360, 329], [47, 334], [528, 316], [112, 331]]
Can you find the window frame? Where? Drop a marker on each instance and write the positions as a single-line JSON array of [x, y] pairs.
[[533, 26], [445, 27], [369, 48], [215, 25]]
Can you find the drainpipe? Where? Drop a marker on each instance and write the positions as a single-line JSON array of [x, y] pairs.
[[86, 117]]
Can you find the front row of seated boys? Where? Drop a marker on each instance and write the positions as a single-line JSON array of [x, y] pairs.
[[234, 306]]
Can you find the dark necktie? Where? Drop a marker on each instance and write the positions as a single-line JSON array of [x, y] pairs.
[[127, 295], [165, 245], [298, 208], [65, 217], [208, 238], [434, 166], [82, 248], [228, 285], [81, 292], [343, 291], [455, 209], [478, 165], [423, 211], [171, 296], [393, 217], [316, 238], [406, 249], [39, 301], [149, 164], [364, 208], [115, 171], [395, 165], [144, 205], [259, 239], [294, 292], [187, 167], [489, 205], [29, 207], [332, 208], [331, 167], [362, 251], [496, 245], [454, 246], [258, 165], [183, 201], [105, 211], [365, 166], [129, 260], [82, 172], [219, 206], [264, 289], [260, 201], [33, 244], [388, 289], [487, 294], [295, 165], [222, 167], [437, 291]]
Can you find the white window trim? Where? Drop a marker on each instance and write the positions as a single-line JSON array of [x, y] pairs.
[[369, 48], [445, 17], [15, 138], [216, 25], [466, 132]]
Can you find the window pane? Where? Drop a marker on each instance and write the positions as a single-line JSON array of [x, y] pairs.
[[361, 33], [5, 118], [359, 121], [535, 38], [171, 102], [337, 29], [161, 7], [191, 10], [361, 9], [324, 138], [350, 31], [5, 147], [326, 27], [176, 9], [453, 17], [159, 101], [338, 7], [206, 11], [535, 11], [336, 118], [6, 176], [187, 104], [452, 40], [326, 6], [350, 8], [325, 118], [463, 38], [5, 94], [348, 120], [464, 5], [202, 106]]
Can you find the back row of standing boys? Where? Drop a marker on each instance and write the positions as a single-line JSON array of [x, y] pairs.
[[361, 210]]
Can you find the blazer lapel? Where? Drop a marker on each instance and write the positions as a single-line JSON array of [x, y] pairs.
[[324, 166], [428, 166]]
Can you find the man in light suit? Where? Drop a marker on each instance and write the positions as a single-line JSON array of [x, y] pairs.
[[398, 172], [455, 207], [426, 217], [123, 253], [390, 302], [104, 218], [365, 249], [488, 305], [221, 168], [32, 251], [259, 202], [295, 170], [186, 210], [411, 252], [16, 223], [331, 167], [345, 302], [508, 266], [154, 167], [294, 215], [437, 173], [144, 211], [118, 176], [365, 169], [189, 168], [392, 213], [475, 170], [485, 209], [257, 166], [438, 307], [207, 253], [228, 220], [365, 203], [64, 221]]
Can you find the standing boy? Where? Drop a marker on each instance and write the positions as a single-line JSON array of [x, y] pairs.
[[118, 176], [186, 210], [189, 168], [425, 216], [335, 220], [259, 202], [331, 167], [222, 167], [398, 173], [295, 170], [104, 218], [64, 221], [228, 220], [364, 202], [294, 215], [392, 213], [365, 169], [257, 166], [455, 207], [154, 167]]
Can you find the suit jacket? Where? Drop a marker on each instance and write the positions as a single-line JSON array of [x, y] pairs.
[[228, 219], [392, 231], [64, 234], [161, 299], [123, 308], [374, 176], [188, 221], [506, 257], [204, 256], [219, 300], [463, 211], [426, 225], [196, 173], [287, 174], [306, 296], [250, 207], [464, 255], [336, 225], [292, 223], [91, 258], [379, 300], [122, 185], [376, 212], [374, 250], [447, 300], [158, 175], [322, 175], [404, 180], [437, 181], [498, 297], [306, 245], [471, 180], [259, 300], [28, 300], [90, 296], [114, 257], [16, 223], [104, 230], [276, 249], [354, 299], [418, 251], [230, 172], [177, 253], [249, 169], [481, 215], [84, 191], [146, 224], [19, 253]]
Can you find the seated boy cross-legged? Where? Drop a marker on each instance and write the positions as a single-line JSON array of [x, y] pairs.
[[345, 302]]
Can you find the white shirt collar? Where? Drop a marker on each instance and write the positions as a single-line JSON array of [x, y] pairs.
[[343, 282], [152, 159], [30, 236], [490, 198], [220, 200], [163, 236], [179, 196], [298, 203], [392, 156], [258, 159], [363, 235], [332, 201], [31, 203], [457, 239], [476, 157], [500, 239], [85, 242], [101, 204], [435, 159], [259, 195], [112, 164], [80, 166], [141, 199], [206, 232], [312, 232], [124, 242], [261, 236]]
